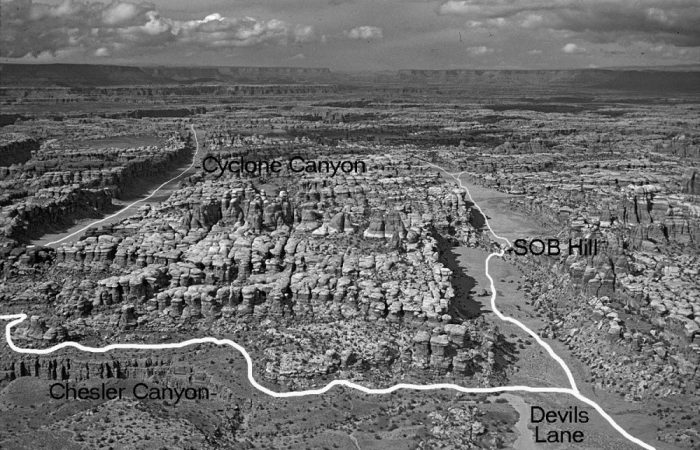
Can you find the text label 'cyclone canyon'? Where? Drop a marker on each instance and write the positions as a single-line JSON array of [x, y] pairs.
[[295, 164]]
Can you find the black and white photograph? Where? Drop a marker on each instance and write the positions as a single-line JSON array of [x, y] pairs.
[[350, 224]]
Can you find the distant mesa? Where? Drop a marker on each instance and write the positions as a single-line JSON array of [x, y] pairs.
[[94, 75], [91, 75], [616, 79]]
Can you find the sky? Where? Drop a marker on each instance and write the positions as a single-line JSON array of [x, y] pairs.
[[354, 35]]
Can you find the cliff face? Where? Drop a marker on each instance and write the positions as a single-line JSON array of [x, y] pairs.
[[632, 80], [54, 189], [219, 252], [106, 75], [91, 76], [645, 215], [150, 95], [49, 208], [691, 182], [16, 149]]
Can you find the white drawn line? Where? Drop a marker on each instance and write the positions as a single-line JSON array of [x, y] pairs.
[[569, 375], [19, 318], [573, 390], [354, 441], [92, 224]]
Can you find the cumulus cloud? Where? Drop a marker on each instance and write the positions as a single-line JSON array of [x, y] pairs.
[[365, 32], [30, 28], [216, 31], [117, 13], [532, 20], [573, 48], [465, 8], [304, 33], [480, 50], [102, 51], [670, 21]]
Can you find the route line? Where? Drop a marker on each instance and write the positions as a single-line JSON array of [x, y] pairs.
[[574, 389], [16, 319], [97, 222], [569, 375]]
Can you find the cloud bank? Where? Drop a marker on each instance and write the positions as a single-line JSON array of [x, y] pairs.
[[669, 21], [365, 32], [30, 28], [354, 34]]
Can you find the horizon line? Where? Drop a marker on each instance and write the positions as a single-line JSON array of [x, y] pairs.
[[677, 67]]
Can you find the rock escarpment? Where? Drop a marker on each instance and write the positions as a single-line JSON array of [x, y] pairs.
[[56, 187], [228, 255], [16, 149]]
